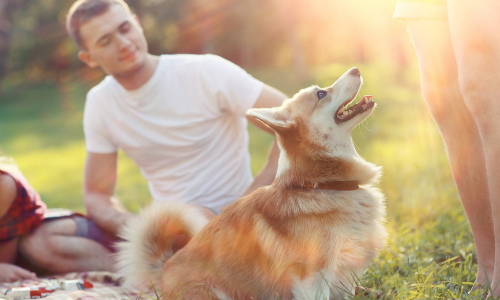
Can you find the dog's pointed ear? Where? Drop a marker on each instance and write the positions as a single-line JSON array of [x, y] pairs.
[[276, 118]]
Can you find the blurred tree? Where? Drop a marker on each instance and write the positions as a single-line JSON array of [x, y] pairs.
[[299, 66], [7, 7], [297, 34]]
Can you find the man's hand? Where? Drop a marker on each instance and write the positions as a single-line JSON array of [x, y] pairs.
[[11, 273], [103, 208], [267, 174]]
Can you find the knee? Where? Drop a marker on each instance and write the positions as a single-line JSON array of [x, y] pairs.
[[478, 77], [444, 101], [440, 88], [434, 100], [478, 93], [480, 97], [37, 248]]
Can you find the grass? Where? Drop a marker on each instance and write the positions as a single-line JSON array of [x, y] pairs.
[[430, 250]]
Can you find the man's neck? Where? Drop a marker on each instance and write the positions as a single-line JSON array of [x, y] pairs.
[[141, 76]]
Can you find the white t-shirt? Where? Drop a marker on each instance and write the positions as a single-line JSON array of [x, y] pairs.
[[185, 128]]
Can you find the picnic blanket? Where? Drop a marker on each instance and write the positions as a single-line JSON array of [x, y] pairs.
[[106, 286]]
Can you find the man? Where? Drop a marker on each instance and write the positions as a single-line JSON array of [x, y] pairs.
[[181, 118]]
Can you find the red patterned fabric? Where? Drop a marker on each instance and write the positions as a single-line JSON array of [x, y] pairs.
[[26, 211]]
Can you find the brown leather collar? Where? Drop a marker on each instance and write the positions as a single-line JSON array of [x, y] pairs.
[[332, 185]]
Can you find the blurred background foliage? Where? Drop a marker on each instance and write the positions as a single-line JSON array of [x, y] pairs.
[[296, 34]]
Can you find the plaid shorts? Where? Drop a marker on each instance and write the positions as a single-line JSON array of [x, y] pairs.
[[85, 228], [25, 213]]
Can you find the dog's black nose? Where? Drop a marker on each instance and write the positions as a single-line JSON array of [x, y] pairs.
[[354, 71]]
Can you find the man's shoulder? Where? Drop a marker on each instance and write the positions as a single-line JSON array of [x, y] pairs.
[[98, 96], [102, 89], [192, 59]]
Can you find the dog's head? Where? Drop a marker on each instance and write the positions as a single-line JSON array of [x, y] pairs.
[[314, 133]]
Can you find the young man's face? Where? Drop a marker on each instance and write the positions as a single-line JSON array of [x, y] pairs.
[[115, 42]]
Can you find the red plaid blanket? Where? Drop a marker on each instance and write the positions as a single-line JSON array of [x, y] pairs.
[[106, 286]]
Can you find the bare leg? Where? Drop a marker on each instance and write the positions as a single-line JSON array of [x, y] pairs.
[[443, 96], [476, 41], [53, 247]]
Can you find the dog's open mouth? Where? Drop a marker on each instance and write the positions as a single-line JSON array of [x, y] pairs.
[[344, 115]]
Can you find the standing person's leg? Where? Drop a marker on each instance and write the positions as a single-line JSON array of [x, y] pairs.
[[475, 34], [441, 91], [54, 247]]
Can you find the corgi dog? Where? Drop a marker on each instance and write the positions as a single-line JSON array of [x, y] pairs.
[[306, 236]]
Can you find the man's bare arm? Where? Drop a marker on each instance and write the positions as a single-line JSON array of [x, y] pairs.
[[103, 208], [269, 97]]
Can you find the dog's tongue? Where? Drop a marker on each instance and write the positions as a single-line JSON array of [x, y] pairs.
[[364, 102]]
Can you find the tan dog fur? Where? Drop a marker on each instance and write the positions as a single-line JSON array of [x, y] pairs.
[[281, 241]]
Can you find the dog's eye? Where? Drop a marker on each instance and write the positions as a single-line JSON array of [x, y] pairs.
[[321, 94]]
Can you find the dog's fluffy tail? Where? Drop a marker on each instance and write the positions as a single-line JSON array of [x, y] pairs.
[[152, 238]]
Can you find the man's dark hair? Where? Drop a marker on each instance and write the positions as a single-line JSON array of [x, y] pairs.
[[83, 11]]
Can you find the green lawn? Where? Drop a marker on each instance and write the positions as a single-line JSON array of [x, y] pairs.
[[430, 252]]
